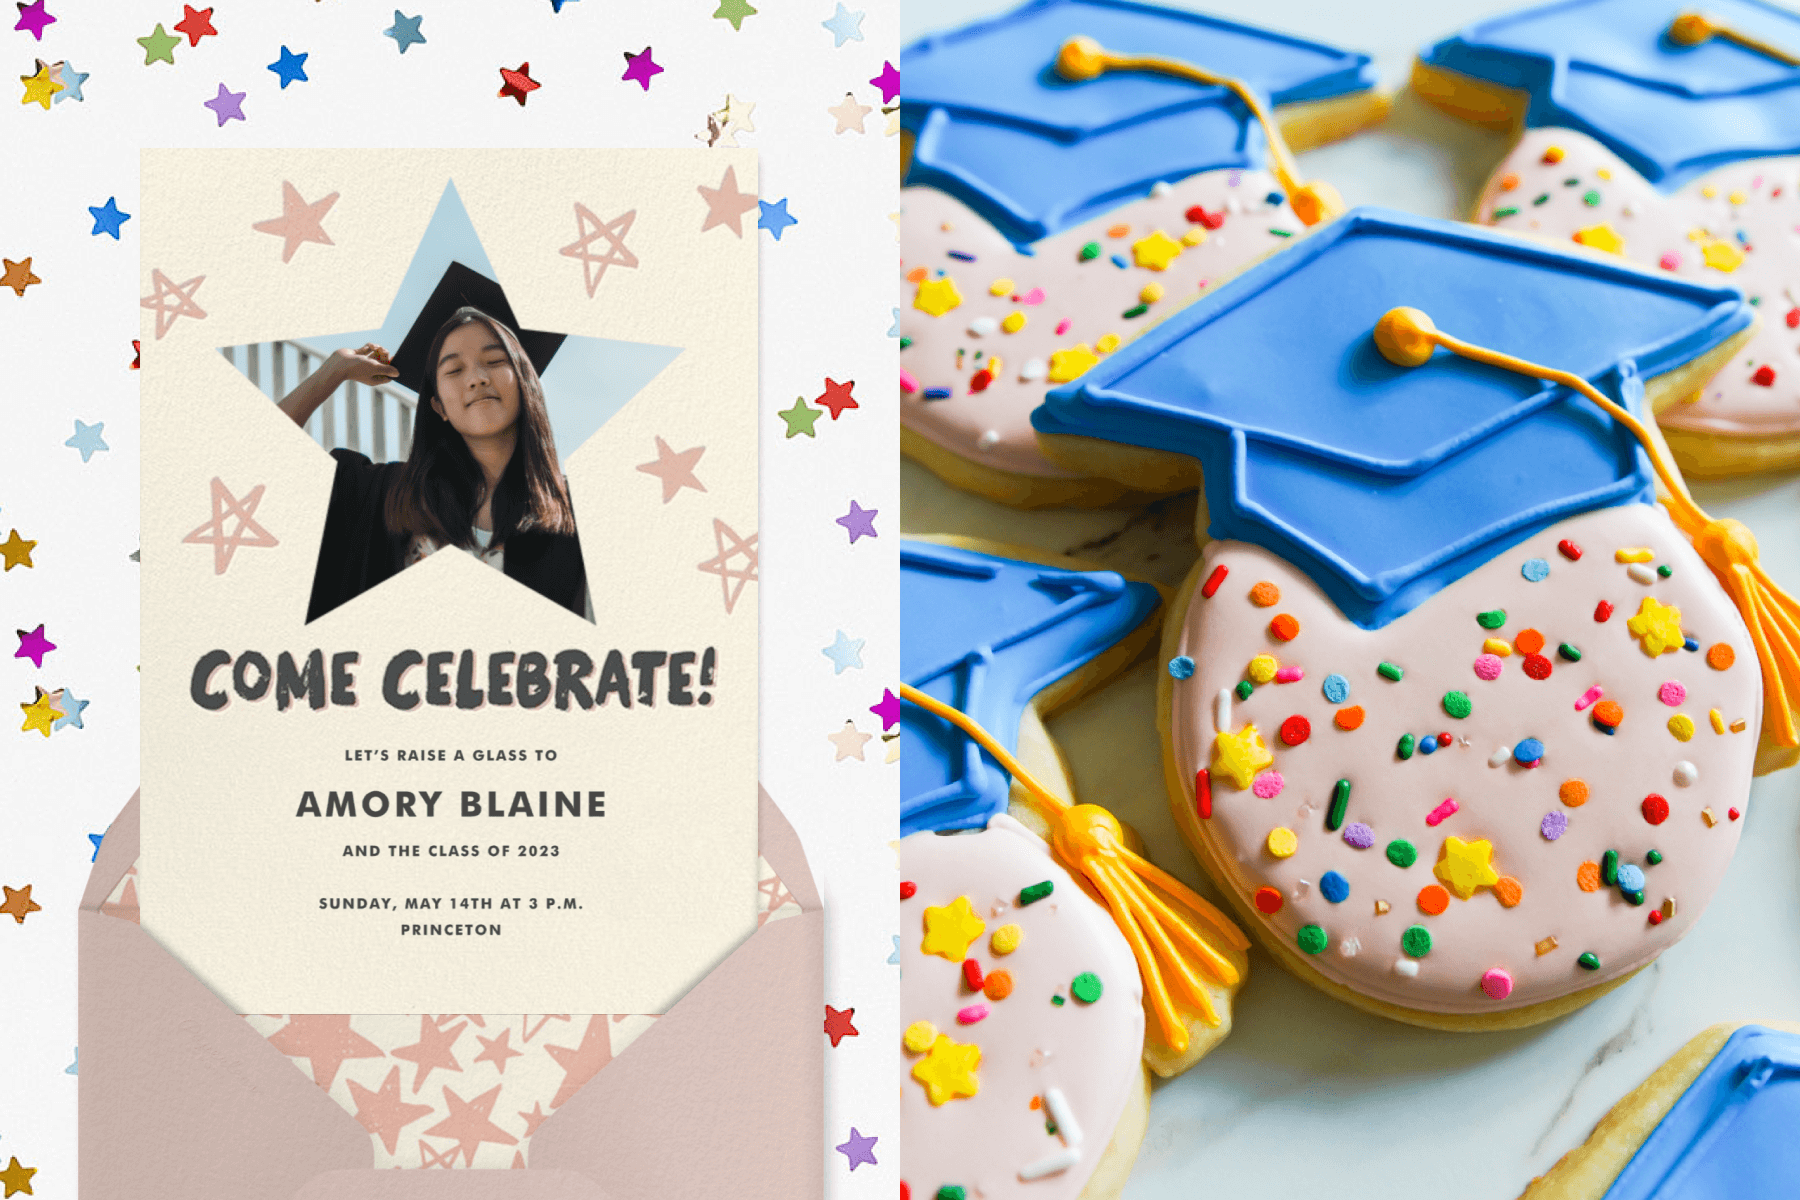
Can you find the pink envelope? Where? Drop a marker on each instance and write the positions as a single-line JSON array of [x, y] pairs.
[[181, 1099]]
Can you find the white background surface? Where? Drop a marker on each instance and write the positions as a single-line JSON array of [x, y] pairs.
[[1309, 1097]]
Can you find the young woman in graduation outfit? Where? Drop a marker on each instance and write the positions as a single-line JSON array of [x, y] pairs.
[[482, 474]]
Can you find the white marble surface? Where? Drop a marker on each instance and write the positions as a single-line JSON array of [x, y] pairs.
[[1308, 1096]]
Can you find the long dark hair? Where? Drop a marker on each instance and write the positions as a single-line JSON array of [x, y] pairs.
[[442, 486]]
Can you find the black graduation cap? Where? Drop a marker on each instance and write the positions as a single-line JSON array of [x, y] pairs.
[[465, 286]]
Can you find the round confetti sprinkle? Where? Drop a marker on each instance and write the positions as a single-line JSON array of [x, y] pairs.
[[1672, 693], [919, 1036], [1433, 900], [1607, 713], [1496, 983], [1263, 667], [1295, 729], [1359, 835], [1492, 619], [1181, 667], [1573, 792], [1265, 594], [1536, 570], [1589, 961], [1428, 745], [1243, 689], [1006, 939], [1444, 739], [1416, 941], [1686, 773], [998, 985], [1350, 718], [1529, 641], [1553, 826], [1631, 878], [1337, 688], [1283, 841], [1720, 656], [1488, 666], [1670, 261], [1457, 704], [1682, 726], [1402, 853], [1334, 887], [1655, 809], [1553, 154], [1268, 785], [1285, 626], [1312, 939], [1529, 752], [1537, 666], [1587, 876], [1086, 987], [1268, 900], [1508, 891]]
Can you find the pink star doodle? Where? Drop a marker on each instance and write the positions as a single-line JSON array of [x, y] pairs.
[[247, 532], [299, 221], [497, 1050], [227, 105], [33, 18], [591, 229], [34, 645], [581, 1063], [674, 468], [384, 1113], [537, 1116], [725, 205], [640, 68], [431, 1157], [774, 895], [326, 1042], [433, 1051], [172, 301], [859, 522], [720, 564], [530, 1031], [468, 1123]]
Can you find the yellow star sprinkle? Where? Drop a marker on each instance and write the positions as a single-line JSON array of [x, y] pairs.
[[40, 87], [1658, 625], [1156, 251], [1601, 237], [1465, 867], [1071, 363], [1241, 755], [948, 1070], [1722, 256], [39, 714], [950, 929], [937, 296]]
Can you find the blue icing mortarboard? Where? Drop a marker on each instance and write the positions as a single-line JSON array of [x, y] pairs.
[[1385, 483], [985, 635], [997, 128], [1609, 69], [1731, 1133]]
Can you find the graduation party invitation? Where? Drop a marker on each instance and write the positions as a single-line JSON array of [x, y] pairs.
[[449, 486]]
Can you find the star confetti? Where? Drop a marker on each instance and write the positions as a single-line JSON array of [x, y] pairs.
[[87, 439], [172, 301], [590, 229], [159, 46], [71, 81], [837, 1024], [196, 23], [837, 397], [108, 218], [18, 905], [33, 18], [299, 221], [675, 469], [724, 124], [774, 217], [40, 714], [859, 1149], [734, 11], [290, 67], [405, 30], [859, 522], [18, 275], [34, 645], [41, 87], [227, 105], [849, 742], [731, 579], [72, 710], [800, 418], [888, 709], [518, 84], [16, 551], [888, 81], [640, 68], [246, 533], [845, 26], [850, 115], [844, 652], [725, 205]]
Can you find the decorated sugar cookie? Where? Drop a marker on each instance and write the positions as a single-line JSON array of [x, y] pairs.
[[1666, 133], [1006, 634], [1462, 721], [1056, 204], [1717, 1119]]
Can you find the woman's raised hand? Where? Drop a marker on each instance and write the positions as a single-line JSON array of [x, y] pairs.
[[367, 364]]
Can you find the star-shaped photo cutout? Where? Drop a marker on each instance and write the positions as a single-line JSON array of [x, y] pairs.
[[586, 382]]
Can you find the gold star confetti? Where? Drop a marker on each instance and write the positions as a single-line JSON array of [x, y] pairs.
[[18, 275], [39, 714], [18, 904], [16, 551]]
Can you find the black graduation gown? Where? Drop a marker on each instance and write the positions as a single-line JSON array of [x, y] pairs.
[[357, 550]]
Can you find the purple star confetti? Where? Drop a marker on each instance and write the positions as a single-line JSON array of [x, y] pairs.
[[34, 645], [888, 710], [227, 105], [641, 68], [888, 81], [859, 1149], [33, 18], [859, 521]]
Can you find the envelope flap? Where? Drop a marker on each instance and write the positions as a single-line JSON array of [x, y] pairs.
[[722, 1095], [118, 851], [781, 847], [449, 1185]]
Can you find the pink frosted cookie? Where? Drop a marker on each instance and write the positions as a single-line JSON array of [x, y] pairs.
[[1478, 849], [1738, 226]]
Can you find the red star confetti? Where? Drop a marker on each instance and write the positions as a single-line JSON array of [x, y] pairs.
[[18, 275], [518, 84], [837, 1024], [197, 23], [591, 229], [171, 300], [246, 533], [837, 397]]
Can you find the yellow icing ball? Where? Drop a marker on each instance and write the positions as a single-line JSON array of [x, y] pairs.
[[1283, 841], [1005, 939], [1603, 173], [1553, 154], [1737, 197], [1194, 236], [1014, 322], [1001, 287], [919, 1036], [1108, 344], [1682, 726], [1151, 293], [1709, 191], [1262, 668]]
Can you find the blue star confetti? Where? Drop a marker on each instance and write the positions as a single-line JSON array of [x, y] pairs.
[[108, 218], [292, 67], [845, 652], [87, 439], [775, 217], [71, 81], [405, 30], [845, 26], [72, 710]]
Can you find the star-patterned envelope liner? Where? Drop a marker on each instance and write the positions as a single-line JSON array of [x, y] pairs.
[[411, 589]]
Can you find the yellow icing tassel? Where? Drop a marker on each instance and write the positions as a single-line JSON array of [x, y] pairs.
[[1693, 28], [1082, 58], [1173, 948], [1407, 338]]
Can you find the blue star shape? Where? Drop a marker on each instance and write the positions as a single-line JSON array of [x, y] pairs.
[[71, 1069], [775, 217], [845, 652], [95, 838], [894, 958], [292, 67], [556, 5], [845, 26], [87, 439], [108, 218], [71, 716], [71, 81], [894, 329], [405, 30]]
